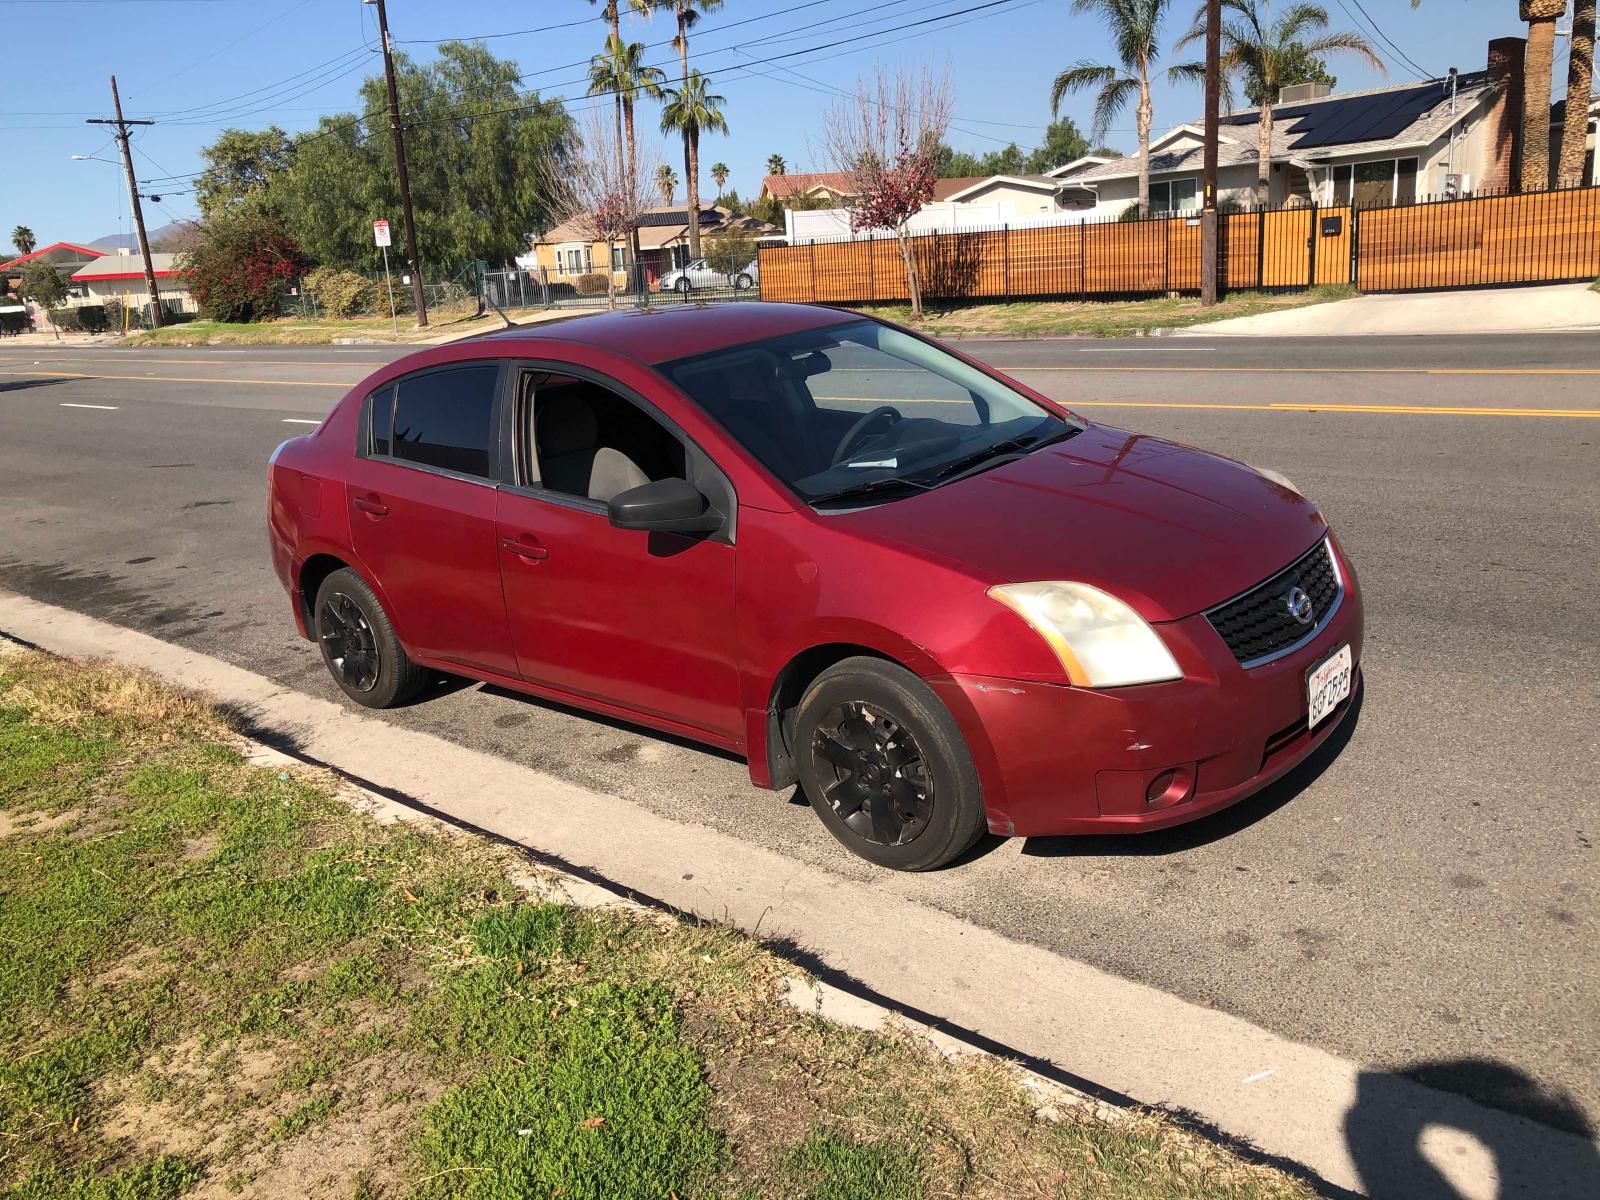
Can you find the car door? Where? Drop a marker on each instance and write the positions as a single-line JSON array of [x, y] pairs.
[[641, 621], [421, 493]]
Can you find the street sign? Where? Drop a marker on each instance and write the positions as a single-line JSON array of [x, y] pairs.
[[380, 232]]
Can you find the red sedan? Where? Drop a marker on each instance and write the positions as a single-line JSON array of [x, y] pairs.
[[935, 599]]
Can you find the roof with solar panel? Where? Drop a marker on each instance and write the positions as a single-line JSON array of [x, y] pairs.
[[1312, 130]]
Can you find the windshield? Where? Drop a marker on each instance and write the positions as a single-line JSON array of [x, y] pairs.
[[862, 413]]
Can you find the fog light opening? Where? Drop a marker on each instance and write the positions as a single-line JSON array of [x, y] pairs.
[[1169, 787]]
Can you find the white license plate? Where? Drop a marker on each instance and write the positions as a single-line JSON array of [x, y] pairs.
[[1328, 684]]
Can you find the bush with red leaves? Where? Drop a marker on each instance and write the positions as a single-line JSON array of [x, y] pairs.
[[243, 266]]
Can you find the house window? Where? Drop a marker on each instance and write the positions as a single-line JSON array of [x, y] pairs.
[[1176, 195], [616, 259], [1376, 184]]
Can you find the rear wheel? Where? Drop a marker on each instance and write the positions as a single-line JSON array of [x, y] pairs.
[[885, 766], [743, 283], [359, 646]]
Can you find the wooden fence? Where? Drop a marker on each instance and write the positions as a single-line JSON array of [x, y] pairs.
[[1543, 236]]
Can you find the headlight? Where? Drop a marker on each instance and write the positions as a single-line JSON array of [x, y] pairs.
[[1100, 641]]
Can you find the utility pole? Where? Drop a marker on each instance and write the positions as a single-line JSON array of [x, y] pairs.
[[1208, 210], [412, 261], [156, 317]]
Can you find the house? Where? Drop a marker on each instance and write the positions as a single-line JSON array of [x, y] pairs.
[[563, 254], [1558, 120], [119, 278], [1017, 198], [65, 257], [1378, 146], [835, 189]]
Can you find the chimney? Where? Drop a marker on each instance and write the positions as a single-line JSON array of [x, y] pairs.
[[1297, 93], [1502, 163]]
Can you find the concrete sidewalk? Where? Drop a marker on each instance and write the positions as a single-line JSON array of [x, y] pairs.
[[1546, 309]]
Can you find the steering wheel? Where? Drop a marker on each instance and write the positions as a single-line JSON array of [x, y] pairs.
[[857, 432]]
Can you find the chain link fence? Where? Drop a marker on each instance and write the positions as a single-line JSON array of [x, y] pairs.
[[637, 285]]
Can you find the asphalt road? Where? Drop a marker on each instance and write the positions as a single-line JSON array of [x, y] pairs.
[[1423, 898]]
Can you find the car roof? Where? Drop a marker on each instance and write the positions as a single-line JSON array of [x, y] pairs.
[[655, 335]]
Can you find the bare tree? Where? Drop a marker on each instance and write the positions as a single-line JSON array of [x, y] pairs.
[[602, 193], [886, 134]]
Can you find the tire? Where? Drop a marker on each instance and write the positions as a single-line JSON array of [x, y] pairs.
[[743, 283], [346, 616], [683, 286], [885, 766]]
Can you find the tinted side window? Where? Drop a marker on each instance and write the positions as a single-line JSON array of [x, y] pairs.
[[446, 419], [380, 411]]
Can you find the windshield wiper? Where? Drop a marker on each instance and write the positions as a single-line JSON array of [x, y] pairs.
[[872, 487], [1002, 451]]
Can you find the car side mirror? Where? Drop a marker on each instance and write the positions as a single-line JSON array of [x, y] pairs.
[[665, 506]]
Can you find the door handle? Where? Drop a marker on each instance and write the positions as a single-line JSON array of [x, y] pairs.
[[522, 549], [371, 505]]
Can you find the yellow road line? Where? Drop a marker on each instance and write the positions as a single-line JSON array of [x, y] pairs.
[[1322, 370], [178, 379], [1411, 409], [224, 362], [1404, 409]]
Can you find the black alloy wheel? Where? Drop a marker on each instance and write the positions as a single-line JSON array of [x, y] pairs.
[[359, 644], [886, 767], [881, 789], [348, 642]]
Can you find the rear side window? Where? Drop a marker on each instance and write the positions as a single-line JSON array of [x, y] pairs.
[[445, 419], [381, 406]]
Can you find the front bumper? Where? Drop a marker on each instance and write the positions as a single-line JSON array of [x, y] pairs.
[[1056, 759]]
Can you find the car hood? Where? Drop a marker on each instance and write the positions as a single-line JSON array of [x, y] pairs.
[[1169, 529]]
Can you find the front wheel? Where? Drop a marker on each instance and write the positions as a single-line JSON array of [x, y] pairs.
[[359, 645], [683, 286], [743, 283], [885, 766]]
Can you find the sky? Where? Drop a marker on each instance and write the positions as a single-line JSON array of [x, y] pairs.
[[199, 66]]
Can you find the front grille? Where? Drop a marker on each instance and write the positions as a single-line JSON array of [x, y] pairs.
[[1258, 624]]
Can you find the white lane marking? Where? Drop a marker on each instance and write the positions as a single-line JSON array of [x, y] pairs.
[[300, 421], [1258, 1076], [1143, 349], [102, 407]]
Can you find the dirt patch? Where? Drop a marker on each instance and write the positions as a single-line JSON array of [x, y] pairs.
[[197, 848], [360, 1144], [33, 823]]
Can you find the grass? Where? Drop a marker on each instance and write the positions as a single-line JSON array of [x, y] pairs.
[[295, 331], [1101, 318], [218, 978]]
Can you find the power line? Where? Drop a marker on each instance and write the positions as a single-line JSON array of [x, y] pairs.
[[220, 49], [1422, 72]]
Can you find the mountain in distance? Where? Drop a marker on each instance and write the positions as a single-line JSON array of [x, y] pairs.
[[165, 237]]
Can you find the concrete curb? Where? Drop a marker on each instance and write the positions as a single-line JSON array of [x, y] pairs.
[[1354, 1129]]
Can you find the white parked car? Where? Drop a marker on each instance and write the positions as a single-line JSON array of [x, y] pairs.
[[699, 275]]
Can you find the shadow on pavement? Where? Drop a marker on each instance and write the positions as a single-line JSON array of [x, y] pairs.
[[1392, 1121], [1219, 825], [17, 385]]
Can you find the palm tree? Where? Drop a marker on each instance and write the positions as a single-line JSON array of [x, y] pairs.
[[1136, 29], [620, 71], [719, 175], [22, 238], [1580, 78], [691, 110], [1541, 16], [1255, 45], [776, 165], [689, 13], [666, 182]]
